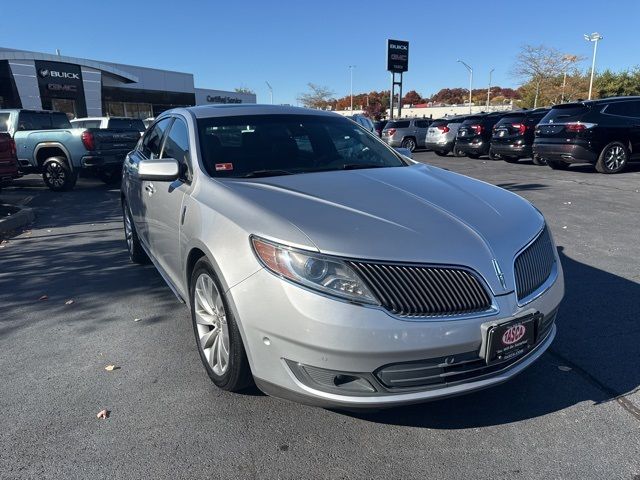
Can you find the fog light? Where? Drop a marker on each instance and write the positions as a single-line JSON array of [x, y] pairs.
[[331, 380]]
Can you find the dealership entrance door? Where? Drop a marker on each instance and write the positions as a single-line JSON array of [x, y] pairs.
[[65, 105]]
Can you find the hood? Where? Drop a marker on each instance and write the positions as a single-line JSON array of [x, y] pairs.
[[416, 214]]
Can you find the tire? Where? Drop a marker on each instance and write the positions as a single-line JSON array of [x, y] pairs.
[[440, 153], [557, 164], [613, 158], [538, 160], [110, 176], [134, 247], [409, 143], [57, 174], [209, 314]]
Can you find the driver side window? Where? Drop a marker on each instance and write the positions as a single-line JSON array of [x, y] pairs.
[[152, 142]]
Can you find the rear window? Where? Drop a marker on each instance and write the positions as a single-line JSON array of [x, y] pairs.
[[439, 123], [127, 123], [470, 120], [402, 124], [565, 113], [42, 121], [509, 119]]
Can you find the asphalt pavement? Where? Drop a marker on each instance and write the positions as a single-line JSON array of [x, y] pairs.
[[72, 304]]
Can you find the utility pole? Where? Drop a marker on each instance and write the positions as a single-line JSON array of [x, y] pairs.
[[595, 37], [489, 89], [351, 67], [270, 91], [470, 80]]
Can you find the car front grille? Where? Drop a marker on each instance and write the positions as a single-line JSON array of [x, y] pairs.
[[534, 265], [424, 291], [452, 369]]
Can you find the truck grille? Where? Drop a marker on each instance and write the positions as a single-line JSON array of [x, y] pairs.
[[534, 265], [424, 291]]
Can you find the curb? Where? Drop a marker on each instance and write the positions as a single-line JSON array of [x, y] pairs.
[[22, 217]]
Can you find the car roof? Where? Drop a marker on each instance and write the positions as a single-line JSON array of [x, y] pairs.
[[598, 101], [233, 110]]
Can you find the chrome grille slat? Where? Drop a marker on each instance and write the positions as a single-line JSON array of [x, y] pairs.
[[534, 265], [424, 291]]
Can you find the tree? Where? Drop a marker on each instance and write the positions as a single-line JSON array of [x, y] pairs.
[[244, 90], [538, 64], [412, 98], [318, 96], [611, 84]]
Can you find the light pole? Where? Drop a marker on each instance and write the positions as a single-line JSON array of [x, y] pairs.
[[270, 91], [489, 89], [470, 80], [595, 37], [351, 67]]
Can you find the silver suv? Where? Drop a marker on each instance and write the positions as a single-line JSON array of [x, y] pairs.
[[280, 227], [441, 135], [407, 133]]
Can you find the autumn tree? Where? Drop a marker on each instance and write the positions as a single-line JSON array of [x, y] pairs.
[[318, 96], [412, 98]]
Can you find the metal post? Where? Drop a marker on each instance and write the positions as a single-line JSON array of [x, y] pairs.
[[400, 98], [391, 96], [489, 89], [468, 67], [593, 64], [564, 85], [270, 91]]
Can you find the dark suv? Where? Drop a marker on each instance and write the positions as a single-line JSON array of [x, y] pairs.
[[513, 136], [474, 135], [603, 132]]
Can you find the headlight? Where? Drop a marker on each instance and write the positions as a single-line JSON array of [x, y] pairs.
[[325, 274]]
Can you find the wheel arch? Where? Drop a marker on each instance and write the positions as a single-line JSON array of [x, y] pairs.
[[46, 150]]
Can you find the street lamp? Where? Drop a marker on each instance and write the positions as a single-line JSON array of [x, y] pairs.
[[489, 89], [595, 37], [270, 91], [351, 67], [470, 80]]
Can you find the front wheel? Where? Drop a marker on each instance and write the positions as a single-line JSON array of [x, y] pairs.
[[57, 175], [613, 158], [134, 247], [217, 335], [409, 143]]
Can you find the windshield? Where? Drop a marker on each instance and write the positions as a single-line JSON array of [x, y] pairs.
[[267, 145]]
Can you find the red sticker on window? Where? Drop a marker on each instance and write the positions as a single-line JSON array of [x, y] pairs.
[[224, 167]]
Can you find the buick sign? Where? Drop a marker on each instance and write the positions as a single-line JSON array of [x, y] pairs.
[[397, 56]]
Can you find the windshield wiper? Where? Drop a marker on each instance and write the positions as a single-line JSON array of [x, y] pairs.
[[266, 173], [356, 166]]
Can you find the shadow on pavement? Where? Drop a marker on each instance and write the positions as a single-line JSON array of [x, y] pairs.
[[598, 334]]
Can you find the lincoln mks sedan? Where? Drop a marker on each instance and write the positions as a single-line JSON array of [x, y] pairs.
[[328, 268]]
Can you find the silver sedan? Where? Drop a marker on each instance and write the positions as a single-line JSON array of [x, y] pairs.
[[327, 268]]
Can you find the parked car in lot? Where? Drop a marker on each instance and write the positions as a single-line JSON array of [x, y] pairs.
[[280, 227], [364, 122], [47, 143], [603, 132], [378, 126], [124, 123], [8, 160], [441, 135], [513, 136], [406, 133], [474, 134]]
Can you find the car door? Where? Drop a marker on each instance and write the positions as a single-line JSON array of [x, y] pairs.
[[164, 203], [138, 190], [633, 112], [421, 131]]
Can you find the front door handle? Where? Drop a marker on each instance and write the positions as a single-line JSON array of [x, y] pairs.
[[150, 189]]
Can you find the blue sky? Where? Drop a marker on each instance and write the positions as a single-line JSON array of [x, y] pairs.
[[290, 43]]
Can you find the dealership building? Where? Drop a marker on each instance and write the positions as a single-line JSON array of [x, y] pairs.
[[92, 88]]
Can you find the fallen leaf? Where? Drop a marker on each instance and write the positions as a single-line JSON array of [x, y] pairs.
[[111, 368], [103, 414], [564, 368], [137, 319], [69, 302], [44, 297]]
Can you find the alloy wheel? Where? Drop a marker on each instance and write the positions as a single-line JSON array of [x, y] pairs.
[[55, 174], [410, 144], [211, 322], [615, 158], [128, 230]]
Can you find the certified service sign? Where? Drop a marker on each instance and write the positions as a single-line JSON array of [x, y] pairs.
[[397, 56]]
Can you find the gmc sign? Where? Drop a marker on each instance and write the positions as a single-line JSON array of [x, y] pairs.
[[397, 56]]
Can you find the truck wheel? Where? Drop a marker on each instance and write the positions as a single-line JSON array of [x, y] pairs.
[[57, 174], [613, 158], [110, 176]]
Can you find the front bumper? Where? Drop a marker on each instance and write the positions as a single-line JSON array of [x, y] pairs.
[[294, 326], [566, 152]]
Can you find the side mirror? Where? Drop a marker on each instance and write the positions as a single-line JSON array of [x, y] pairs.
[[405, 152], [163, 169]]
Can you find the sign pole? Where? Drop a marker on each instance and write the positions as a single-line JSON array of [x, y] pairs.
[[391, 96]]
